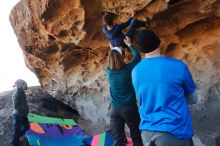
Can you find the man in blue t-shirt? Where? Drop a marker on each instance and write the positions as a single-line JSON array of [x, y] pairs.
[[164, 88]]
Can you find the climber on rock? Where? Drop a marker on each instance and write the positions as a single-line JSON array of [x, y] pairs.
[[123, 99], [20, 111], [164, 88], [114, 32]]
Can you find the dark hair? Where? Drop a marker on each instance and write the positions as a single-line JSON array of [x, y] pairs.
[[108, 19], [148, 41], [115, 60]]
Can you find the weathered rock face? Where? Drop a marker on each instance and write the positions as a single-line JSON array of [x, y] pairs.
[[64, 46]]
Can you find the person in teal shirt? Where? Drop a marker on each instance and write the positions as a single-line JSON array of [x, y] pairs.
[[164, 88], [123, 99]]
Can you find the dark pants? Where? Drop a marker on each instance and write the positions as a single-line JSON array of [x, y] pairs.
[[118, 118], [133, 25], [21, 125], [151, 138]]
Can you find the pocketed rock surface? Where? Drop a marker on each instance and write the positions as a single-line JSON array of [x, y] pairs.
[[63, 45]]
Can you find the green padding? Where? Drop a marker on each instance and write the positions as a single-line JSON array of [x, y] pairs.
[[102, 139], [42, 119]]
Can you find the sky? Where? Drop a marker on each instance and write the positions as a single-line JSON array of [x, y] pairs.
[[11, 56]]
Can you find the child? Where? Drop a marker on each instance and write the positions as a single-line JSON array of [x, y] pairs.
[[114, 31]]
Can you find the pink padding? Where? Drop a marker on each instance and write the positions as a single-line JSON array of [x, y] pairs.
[[129, 141], [95, 140]]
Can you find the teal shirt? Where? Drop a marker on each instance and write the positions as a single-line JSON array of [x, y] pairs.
[[121, 88]]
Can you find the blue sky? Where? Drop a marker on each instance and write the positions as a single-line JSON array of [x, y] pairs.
[[11, 57]]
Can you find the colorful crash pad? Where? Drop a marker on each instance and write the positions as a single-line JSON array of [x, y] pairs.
[[54, 130], [103, 139], [51, 141], [42, 119], [47, 131]]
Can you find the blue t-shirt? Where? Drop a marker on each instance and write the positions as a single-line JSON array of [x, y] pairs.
[[161, 85]]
